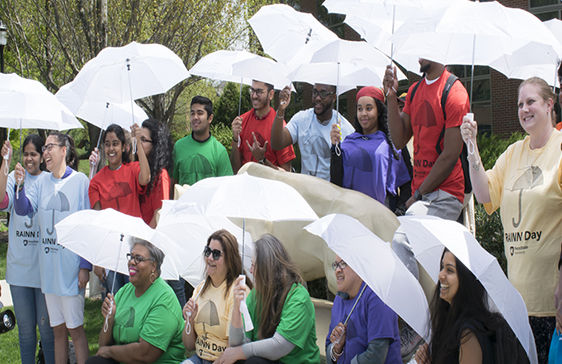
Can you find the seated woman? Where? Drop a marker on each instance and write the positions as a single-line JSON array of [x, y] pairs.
[[371, 332], [368, 162], [145, 323], [215, 293], [463, 328], [281, 311]]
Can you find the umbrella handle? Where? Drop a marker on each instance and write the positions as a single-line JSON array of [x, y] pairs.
[[18, 182], [187, 324], [7, 156], [106, 324]]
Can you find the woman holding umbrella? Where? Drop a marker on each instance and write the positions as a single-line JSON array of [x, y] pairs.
[[144, 318], [280, 308], [64, 275], [118, 186], [525, 184], [22, 261], [368, 162], [463, 329], [205, 333]]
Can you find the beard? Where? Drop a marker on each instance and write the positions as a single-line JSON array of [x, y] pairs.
[[425, 67]]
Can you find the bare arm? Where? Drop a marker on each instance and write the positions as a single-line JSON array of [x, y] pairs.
[[235, 157], [106, 336], [280, 136], [144, 174], [134, 353], [470, 351], [478, 176], [398, 122], [189, 313], [6, 149]]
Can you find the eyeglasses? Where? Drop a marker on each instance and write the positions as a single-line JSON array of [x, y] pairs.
[[49, 147], [341, 264], [138, 258], [216, 253], [144, 140], [323, 94], [257, 91]]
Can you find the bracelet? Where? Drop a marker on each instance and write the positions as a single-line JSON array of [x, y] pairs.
[[235, 140], [262, 161]]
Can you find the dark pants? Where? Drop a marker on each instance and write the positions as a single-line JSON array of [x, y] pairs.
[[542, 327], [100, 360], [179, 289], [256, 360]]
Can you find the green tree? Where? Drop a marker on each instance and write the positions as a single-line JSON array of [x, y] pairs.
[[226, 108]]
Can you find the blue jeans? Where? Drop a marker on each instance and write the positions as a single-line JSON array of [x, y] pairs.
[[179, 289], [120, 281], [31, 311]]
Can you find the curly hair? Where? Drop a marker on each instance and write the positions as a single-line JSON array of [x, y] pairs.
[[161, 155]]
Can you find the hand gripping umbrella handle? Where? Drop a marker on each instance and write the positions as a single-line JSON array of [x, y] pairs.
[[187, 324], [106, 324]]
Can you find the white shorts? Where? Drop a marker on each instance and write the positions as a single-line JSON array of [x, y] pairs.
[[67, 310]]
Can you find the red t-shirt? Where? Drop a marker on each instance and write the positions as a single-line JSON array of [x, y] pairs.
[[117, 189], [262, 129], [153, 201], [426, 118]]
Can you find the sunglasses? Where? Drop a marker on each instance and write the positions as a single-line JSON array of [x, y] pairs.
[[341, 264], [216, 253], [138, 258]]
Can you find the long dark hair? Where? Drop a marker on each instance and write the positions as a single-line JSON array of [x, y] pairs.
[[120, 134], [274, 274], [469, 305], [38, 144], [382, 124], [71, 157], [161, 155]]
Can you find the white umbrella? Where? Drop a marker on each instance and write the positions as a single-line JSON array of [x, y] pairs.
[[263, 69], [28, 104], [428, 235], [102, 237], [189, 230], [101, 113], [283, 32], [377, 264], [218, 66]]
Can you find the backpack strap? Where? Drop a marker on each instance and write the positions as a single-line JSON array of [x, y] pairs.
[[450, 81]]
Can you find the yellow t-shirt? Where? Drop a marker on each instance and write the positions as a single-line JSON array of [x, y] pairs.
[[527, 187], [212, 321]]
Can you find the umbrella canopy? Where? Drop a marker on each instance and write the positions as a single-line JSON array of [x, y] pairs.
[[283, 32], [245, 196], [263, 69], [100, 113], [218, 66], [188, 230], [428, 235], [375, 262], [134, 71], [28, 104], [102, 237]]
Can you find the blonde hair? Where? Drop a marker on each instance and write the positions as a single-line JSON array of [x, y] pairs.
[[545, 91]]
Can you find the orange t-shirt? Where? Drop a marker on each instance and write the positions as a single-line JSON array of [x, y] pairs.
[[559, 126], [427, 120], [262, 129]]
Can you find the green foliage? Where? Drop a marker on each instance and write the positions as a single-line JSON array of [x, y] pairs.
[[226, 107], [223, 134], [489, 230]]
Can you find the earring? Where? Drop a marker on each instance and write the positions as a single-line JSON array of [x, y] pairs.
[[152, 277]]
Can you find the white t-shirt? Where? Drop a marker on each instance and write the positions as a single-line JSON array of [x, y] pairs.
[[314, 140]]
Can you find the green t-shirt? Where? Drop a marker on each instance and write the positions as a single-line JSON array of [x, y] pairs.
[[194, 160], [155, 316], [297, 325]]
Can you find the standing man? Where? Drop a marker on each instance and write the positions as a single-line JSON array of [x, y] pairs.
[[311, 129], [200, 155], [438, 179], [251, 133]]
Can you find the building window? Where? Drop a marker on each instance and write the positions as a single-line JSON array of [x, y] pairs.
[[546, 9]]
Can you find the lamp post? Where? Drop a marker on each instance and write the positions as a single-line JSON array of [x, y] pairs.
[[3, 41]]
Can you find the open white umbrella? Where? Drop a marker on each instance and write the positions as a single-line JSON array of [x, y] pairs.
[[263, 69], [189, 230], [429, 235], [283, 32], [377, 264]]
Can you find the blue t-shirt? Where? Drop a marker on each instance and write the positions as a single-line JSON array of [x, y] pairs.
[[371, 319], [22, 262], [53, 199], [370, 167], [314, 140]]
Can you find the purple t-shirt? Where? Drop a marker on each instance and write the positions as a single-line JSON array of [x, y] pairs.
[[366, 166], [371, 319]]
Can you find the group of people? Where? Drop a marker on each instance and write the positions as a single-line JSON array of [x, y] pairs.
[[150, 320]]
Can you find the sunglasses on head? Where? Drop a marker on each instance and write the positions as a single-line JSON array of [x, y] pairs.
[[216, 253]]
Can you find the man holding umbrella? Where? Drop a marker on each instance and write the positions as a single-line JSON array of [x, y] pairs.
[[251, 133], [438, 179], [311, 129]]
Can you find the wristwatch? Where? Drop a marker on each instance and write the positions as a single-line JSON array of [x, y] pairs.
[[417, 195]]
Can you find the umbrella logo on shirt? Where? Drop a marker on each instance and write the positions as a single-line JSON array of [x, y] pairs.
[[58, 202], [320, 149], [120, 189], [46, 250], [425, 121], [209, 316], [200, 166], [532, 177], [30, 223]]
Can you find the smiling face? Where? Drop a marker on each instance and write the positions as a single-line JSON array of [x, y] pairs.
[[448, 278], [323, 98], [534, 112], [54, 154], [216, 268], [200, 120], [31, 159], [368, 114], [140, 273], [114, 149], [260, 96], [346, 279]]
